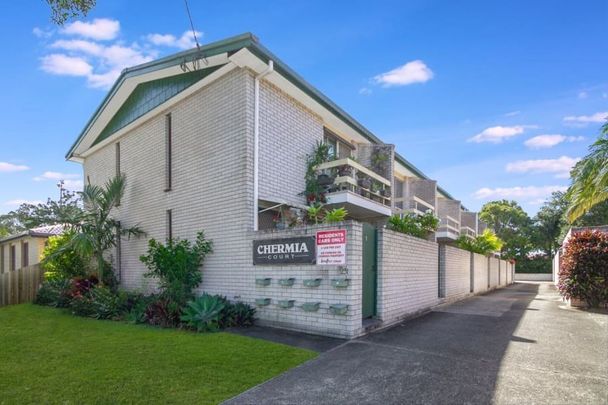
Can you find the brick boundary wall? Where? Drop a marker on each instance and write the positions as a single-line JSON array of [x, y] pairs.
[[493, 272], [454, 272], [323, 321], [407, 276], [479, 271]]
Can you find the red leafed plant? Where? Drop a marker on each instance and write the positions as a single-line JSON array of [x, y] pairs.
[[583, 272]]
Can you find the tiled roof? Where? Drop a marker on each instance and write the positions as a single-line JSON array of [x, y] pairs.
[[41, 231]]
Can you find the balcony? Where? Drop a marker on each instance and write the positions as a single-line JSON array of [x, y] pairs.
[[363, 192], [449, 228], [468, 232]]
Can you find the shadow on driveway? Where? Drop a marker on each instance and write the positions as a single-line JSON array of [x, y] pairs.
[[516, 345]]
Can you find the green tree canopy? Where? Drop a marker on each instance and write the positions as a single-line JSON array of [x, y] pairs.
[[511, 224], [63, 10]]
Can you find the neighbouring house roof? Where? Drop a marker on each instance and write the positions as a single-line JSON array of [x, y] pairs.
[[231, 46], [601, 228], [39, 232]]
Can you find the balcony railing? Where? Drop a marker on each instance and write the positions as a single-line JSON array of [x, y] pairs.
[[352, 176], [468, 232], [449, 225]]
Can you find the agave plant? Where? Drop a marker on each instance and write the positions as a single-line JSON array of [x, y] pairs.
[[203, 313]]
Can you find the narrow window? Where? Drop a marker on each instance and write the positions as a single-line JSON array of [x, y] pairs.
[[168, 157], [25, 254], [117, 150], [12, 258], [1, 259], [118, 253], [169, 226]]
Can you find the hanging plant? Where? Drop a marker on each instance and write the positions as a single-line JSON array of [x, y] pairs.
[[315, 191]]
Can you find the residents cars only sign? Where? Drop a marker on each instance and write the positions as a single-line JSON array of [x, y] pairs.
[[284, 251], [331, 247]]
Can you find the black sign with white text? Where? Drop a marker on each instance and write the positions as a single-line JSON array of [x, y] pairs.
[[299, 250]]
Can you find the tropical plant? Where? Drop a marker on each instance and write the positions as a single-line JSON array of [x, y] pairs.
[[484, 244], [237, 314], [314, 213], [589, 178], [583, 270], [54, 293], [60, 260], [176, 266], [412, 224], [98, 302], [95, 231], [203, 313], [314, 192], [335, 215]]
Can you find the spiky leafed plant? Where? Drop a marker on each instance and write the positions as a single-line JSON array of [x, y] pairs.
[[589, 179], [95, 229]]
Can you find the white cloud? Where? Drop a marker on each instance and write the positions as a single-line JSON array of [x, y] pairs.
[[56, 176], [528, 193], [583, 95], [74, 185], [560, 167], [6, 167], [498, 134], [18, 202], [512, 113], [99, 29], [412, 72], [365, 91], [549, 141], [186, 41], [60, 64], [598, 117]]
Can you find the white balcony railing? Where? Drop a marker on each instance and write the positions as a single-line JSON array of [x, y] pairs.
[[449, 225], [353, 176], [468, 232], [421, 207]]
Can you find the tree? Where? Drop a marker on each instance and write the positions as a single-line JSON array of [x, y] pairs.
[[29, 216], [95, 230], [549, 223], [511, 224], [589, 178], [63, 10]]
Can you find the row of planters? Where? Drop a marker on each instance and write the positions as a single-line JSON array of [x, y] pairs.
[[175, 266]]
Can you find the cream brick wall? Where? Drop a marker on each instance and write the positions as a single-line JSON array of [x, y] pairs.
[[503, 272], [407, 275], [455, 269], [480, 273], [288, 131], [323, 322], [494, 266]]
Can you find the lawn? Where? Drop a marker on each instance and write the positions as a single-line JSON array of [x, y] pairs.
[[49, 356]]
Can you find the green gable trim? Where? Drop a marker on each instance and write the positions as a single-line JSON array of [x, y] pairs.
[[148, 96]]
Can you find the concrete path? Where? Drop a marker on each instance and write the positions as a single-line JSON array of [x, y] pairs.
[[518, 345]]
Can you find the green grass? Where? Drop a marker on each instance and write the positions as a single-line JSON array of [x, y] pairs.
[[49, 356]]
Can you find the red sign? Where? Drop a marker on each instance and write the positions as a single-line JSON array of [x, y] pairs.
[[331, 247]]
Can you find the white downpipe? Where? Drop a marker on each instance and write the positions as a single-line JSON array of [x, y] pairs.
[[256, 139]]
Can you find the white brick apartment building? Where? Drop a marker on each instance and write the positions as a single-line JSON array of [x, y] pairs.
[[215, 138]]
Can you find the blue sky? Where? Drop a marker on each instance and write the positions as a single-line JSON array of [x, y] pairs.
[[492, 99]]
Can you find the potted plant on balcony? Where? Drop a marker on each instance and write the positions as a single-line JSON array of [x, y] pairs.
[[365, 182], [324, 179]]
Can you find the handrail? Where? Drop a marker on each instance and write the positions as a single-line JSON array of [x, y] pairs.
[[423, 203], [359, 167]]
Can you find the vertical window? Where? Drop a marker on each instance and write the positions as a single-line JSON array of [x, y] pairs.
[[118, 253], [25, 254], [169, 226], [168, 154], [333, 146], [1, 259], [12, 258], [117, 150]]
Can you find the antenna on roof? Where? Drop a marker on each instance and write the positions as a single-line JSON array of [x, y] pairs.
[[195, 60]]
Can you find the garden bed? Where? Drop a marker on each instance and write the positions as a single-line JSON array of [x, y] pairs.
[[50, 356]]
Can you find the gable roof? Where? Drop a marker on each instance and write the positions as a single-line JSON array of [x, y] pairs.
[[39, 232], [230, 46]]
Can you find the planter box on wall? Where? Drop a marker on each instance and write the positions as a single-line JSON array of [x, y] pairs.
[[313, 282], [262, 282], [286, 282]]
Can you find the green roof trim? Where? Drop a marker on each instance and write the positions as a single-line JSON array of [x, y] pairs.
[[232, 45], [148, 96]]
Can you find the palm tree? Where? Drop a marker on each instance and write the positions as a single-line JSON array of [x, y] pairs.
[[589, 178], [95, 230]]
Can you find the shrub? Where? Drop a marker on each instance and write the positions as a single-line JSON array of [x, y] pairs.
[[176, 265], [237, 314], [484, 244], [97, 302], [583, 271], [59, 260], [416, 225], [203, 313], [161, 312], [535, 265], [54, 293], [335, 215]]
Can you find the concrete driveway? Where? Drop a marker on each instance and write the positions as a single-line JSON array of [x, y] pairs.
[[518, 345]]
